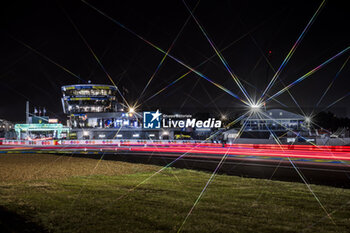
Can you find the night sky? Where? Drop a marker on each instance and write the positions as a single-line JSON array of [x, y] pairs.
[[260, 26]]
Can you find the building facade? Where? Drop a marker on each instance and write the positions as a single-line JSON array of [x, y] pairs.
[[6, 129], [261, 123], [94, 112]]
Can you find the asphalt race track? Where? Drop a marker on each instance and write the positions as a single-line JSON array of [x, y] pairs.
[[328, 165]]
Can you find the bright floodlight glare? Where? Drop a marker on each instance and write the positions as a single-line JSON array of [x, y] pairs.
[[308, 119], [131, 110], [255, 107], [165, 133]]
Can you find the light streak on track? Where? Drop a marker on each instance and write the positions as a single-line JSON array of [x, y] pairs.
[[272, 150]]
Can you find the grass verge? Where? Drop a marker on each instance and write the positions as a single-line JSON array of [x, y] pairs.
[[64, 194]]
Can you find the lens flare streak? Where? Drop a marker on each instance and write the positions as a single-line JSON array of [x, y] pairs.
[[291, 52], [211, 178], [95, 56], [48, 59], [235, 78], [166, 54], [341, 98], [302, 177], [330, 85], [313, 193], [169, 55], [209, 59], [307, 74]]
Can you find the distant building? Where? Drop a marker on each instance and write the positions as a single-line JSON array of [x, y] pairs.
[[7, 129], [94, 112], [41, 131], [89, 98], [275, 119], [261, 123]]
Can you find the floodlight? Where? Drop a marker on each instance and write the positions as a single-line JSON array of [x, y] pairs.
[[131, 110], [255, 107], [165, 133], [308, 119]]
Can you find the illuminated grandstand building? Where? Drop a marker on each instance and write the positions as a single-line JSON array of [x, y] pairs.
[[94, 113], [6, 129], [85, 98], [280, 122], [276, 119]]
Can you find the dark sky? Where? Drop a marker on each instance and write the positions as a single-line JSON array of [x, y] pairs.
[[262, 26]]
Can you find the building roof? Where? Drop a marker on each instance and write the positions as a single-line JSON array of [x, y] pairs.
[[231, 131], [88, 86], [5, 121], [40, 127], [277, 114]]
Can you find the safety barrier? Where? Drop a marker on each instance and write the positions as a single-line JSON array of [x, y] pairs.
[[30, 142], [118, 142], [172, 143]]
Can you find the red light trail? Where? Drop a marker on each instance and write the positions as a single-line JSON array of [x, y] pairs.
[[339, 153]]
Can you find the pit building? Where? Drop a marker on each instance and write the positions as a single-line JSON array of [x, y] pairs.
[[94, 112]]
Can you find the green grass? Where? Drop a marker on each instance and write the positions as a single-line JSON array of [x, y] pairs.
[[230, 204]]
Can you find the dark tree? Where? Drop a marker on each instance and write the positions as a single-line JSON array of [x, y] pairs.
[[330, 121]]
